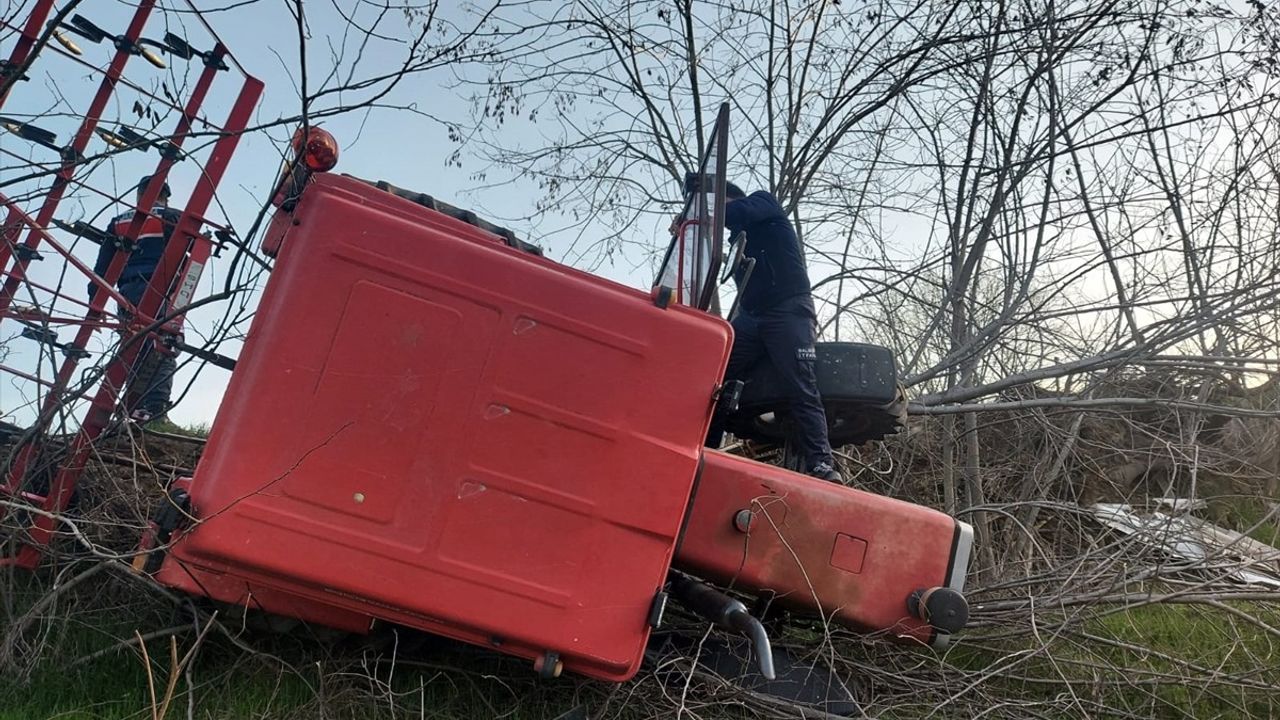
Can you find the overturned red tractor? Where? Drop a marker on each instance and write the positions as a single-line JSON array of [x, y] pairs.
[[431, 424]]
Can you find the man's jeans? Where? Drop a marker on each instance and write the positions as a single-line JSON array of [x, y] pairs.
[[784, 336], [153, 396]]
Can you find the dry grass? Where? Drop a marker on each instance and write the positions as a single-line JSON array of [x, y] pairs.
[[1070, 619]]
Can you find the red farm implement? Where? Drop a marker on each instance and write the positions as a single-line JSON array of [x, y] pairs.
[[33, 231]]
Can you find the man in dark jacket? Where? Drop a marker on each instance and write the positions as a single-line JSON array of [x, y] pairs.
[[777, 322], [152, 401]]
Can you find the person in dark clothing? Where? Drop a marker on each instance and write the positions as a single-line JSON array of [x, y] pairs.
[[143, 404], [777, 322]]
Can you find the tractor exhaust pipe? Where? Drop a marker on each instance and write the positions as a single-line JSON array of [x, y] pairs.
[[726, 612]]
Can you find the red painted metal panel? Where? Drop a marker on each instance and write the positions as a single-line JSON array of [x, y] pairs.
[[236, 591], [855, 555], [433, 428]]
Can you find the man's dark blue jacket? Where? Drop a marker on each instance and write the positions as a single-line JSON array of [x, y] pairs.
[[142, 262], [779, 273]]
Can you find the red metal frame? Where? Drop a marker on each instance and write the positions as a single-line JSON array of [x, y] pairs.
[[76, 150], [177, 272], [27, 39]]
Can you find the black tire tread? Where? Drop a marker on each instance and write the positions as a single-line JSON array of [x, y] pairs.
[[859, 389]]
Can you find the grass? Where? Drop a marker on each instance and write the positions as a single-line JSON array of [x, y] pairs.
[[199, 430], [228, 684], [1248, 514], [1165, 660], [1153, 661], [115, 687], [447, 681], [1204, 636], [295, 676]]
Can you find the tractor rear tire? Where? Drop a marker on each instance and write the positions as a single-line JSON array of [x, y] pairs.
[[860, 394]]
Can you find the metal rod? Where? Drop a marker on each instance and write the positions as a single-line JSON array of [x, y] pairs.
[[36, 379]]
